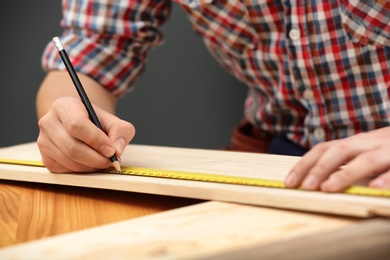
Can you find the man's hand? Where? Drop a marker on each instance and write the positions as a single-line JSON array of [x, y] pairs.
[[70, 142], [335, 165]]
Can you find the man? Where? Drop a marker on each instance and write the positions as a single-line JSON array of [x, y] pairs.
[[318, 74]]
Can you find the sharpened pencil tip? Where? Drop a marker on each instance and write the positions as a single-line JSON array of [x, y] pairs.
[[117, 166]]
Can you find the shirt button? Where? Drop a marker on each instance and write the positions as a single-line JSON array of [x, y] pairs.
[[294, 34], [308, 94], [319, 133]]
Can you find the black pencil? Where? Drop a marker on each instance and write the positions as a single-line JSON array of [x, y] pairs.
[[82, 94]]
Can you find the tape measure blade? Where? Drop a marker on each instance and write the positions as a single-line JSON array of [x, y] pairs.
[[367, 191], [194, 176], [182, 175], [21, 162]]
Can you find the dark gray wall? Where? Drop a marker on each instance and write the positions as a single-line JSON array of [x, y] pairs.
[[183, 99]]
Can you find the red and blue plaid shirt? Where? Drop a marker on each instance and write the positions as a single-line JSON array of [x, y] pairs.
[[316, 70]]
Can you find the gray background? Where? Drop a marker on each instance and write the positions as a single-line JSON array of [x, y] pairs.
[[183, 99]]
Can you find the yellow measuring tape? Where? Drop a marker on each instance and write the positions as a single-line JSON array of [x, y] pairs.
[[181, 175]]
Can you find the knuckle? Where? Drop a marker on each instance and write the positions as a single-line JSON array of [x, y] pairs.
[[72, 151], [74, 126], [58, 104], [40, 142], [321, 147], [344, 176], [43, 123], [319, 169], [343, 147], [298, 169]]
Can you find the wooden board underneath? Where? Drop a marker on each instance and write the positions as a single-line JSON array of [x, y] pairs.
[[31, 211], [191, 232], [263, 166], [368, 239]]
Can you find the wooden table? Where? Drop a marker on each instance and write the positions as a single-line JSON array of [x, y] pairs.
[[30, 211], [45, 221]]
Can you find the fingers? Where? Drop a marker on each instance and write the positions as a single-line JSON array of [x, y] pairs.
[[76, 122], [364, 166], [317, 165], [69, 141], [72, 154], [298, 173], [382, 181], [334, 166], [56, 162]]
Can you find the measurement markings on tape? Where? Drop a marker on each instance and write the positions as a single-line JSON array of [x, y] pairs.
[[215, 178], [193, 176]]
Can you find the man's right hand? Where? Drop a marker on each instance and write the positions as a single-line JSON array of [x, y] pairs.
[[68, 140]]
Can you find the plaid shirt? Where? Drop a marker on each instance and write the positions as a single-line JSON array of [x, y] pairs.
[[316, 70]]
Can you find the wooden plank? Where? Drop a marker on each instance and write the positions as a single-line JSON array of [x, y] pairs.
[[9, 214], [368, 240], [191, 232], [272, 167], [31, 211]]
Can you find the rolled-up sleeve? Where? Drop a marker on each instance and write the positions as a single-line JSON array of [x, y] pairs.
[[108, 40], [367, 21]]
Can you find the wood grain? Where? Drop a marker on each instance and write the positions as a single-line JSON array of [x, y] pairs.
[[31, 211], [263, 166], [368, 240], [9, 205], [191, 232]]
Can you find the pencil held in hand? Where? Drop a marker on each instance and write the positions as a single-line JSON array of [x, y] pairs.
[[82, 94]]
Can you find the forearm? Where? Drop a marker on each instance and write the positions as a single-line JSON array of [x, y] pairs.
[[59, 84]]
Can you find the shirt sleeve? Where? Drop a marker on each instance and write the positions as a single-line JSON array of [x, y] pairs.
[[108, 40], [367, 22]]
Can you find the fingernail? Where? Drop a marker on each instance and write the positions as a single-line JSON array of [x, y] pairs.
[[310, 183], [378, 183], [290, 181], [107, 150], [120, 145]]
